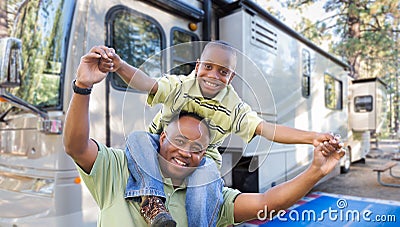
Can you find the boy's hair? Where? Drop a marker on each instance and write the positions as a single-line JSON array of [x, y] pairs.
[[222, 44]]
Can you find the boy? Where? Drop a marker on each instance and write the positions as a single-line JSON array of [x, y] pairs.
[[207, 92]]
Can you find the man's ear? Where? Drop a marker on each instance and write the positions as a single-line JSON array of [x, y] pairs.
[[162, 137], [203, 153]]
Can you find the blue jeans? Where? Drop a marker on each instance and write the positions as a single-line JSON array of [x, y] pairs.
[[204, 186]]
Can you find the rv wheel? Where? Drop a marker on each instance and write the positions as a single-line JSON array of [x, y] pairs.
[[346, 163]]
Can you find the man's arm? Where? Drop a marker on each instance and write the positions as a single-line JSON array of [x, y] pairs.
[[248, 206], [76, 131], [288, 135], [133, 76]]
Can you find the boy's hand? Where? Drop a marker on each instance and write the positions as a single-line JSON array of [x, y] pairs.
[[322, 137], [89, 71], [328, 143], [111, 62], [327, 137]]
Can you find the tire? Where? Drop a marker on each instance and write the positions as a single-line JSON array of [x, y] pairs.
[[347, 162]]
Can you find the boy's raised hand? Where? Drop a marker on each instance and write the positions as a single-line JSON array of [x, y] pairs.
[[329, 141], [89, 70], [111, 62]]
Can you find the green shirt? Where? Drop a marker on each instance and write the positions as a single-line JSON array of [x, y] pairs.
[[226, 112], [107, 182]]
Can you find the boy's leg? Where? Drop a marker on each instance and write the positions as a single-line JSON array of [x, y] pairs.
[[141, 152], [145, 181], [204, 194]]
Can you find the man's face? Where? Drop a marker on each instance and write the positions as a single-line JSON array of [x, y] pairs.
[[182, 146], [215, 70]]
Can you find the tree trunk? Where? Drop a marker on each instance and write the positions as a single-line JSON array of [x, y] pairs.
[[3, 19], [354, 33]]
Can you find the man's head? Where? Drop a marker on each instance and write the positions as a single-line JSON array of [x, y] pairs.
[[216, 67], [182, 145]]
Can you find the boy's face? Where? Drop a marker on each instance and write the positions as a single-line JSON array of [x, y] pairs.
[[215, 70], [182, 146]]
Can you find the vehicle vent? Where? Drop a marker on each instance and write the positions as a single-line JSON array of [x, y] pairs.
[[263, 35]]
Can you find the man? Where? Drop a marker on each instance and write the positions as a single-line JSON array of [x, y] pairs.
[[105, 170]]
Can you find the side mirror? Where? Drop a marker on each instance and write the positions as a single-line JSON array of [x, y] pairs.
[[10, 62]]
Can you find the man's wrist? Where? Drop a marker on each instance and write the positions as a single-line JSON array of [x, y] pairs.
[[81, 85], [81, 89]]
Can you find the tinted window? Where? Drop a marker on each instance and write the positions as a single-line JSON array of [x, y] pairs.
[[43, 27], [306, 83], [363, 103], [333, 93], [183, 59], [137, 39]]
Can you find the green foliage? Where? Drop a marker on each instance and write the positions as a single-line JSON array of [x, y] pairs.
[[366, 32], [40, 29]]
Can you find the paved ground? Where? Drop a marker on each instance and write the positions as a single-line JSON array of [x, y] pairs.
[[362, 181]]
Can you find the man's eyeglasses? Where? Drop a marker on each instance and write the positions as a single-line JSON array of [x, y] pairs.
[[185, 144]]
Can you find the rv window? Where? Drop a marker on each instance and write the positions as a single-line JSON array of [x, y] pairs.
[[333, 93], [306, 83], [183, 54], [363, 103], [43, 28], [138, 40]]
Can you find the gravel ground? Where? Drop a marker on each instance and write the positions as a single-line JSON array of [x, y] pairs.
[[361, 181]]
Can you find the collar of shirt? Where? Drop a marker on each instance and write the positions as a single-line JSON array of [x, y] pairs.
[[168, 181]]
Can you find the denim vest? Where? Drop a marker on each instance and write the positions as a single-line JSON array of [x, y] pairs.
[[204, 186]]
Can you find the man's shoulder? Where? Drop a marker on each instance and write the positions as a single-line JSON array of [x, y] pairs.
[[105, 156], [107, 152]]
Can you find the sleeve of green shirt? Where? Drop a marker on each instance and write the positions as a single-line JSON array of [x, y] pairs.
[[108, 173], [226, 213]]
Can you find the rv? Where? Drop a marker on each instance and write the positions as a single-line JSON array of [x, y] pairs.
[[284, 77], [367, 116]]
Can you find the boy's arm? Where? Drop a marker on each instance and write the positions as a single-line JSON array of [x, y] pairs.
[[288, 135], [133, 76], [249, 206]]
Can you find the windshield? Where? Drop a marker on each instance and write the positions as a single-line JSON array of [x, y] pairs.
[[43, 27]]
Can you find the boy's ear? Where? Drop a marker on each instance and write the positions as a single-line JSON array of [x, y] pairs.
[[232, 75], [197, 65]]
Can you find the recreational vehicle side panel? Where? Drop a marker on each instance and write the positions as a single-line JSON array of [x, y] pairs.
[[273, 83]]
